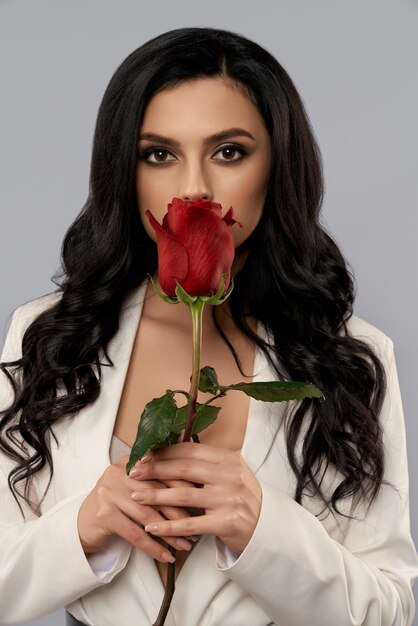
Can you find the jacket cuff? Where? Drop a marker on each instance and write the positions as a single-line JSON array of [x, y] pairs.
[[111, 560], [77, 560], [224, 556]]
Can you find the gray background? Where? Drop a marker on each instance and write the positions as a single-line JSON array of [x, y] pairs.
[[355, 66]]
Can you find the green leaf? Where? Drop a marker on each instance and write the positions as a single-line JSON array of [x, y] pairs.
[[171, 439], [208, 381], [205, 416], [155, 426], [276, 390]]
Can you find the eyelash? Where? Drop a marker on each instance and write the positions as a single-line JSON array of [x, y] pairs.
[[145, 154]]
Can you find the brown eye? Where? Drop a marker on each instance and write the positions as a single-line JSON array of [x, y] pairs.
[[160, 155], [228, 153]]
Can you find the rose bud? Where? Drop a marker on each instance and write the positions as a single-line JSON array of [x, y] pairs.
[[195, 246]]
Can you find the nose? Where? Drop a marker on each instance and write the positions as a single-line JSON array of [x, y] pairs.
[[194, 184]]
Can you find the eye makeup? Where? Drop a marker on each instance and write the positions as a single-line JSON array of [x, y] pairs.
[[146, 152]]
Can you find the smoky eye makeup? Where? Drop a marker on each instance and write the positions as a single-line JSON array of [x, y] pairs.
[[144, 153]]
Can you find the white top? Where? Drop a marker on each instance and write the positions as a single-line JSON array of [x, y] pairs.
[[300, 566]]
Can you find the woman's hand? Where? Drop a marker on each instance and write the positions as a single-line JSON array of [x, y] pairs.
[[231, 494], [109, 510]]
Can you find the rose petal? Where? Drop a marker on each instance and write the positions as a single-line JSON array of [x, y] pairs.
[[173, 262], [210, 249], [195, 246], [228, 218]]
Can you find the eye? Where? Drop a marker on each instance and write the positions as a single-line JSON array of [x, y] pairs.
[[232, 148], [161, 154], [158, 151]]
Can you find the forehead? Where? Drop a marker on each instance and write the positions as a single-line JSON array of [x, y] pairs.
[[203, 103]]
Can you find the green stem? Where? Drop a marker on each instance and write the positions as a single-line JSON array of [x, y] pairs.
[[196, 310], [169, 591], [219, 395]]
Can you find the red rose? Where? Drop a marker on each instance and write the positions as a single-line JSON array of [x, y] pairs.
[[195, 246]]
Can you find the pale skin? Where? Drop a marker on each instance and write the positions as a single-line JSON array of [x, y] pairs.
[[228, 492], [221, 496], [231, 494]]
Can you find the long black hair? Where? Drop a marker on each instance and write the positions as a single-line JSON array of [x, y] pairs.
[[295, 279]]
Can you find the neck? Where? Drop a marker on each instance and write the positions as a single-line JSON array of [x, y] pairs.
[[179, 314]]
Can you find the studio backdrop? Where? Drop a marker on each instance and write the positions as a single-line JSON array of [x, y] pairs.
[[355, 65]]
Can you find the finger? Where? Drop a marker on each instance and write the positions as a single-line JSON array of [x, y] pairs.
[[190, 449], [136, 536], [175, 496], [192, 470], [173, 512], [162, 483], [142, 515], [178, 483], [169, 512], [205, 524], [148, 484]]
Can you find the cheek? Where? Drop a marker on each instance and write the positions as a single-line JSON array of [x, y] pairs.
[[249, 211], [142, 207], [146, 199], [249, 220], [148, 228]]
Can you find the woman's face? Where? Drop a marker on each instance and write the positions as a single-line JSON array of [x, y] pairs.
[[182, 158]]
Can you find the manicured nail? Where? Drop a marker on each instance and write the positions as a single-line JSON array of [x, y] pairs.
[[167, 556], [185, 545], [151, 528], [138, 496]]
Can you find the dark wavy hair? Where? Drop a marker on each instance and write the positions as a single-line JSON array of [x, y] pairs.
[[295, 279]]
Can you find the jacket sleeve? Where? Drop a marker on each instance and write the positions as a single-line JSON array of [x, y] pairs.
[[108, 560], [42, 564], [298, 573]]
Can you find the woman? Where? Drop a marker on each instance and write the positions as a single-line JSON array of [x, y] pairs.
[[304, 511]]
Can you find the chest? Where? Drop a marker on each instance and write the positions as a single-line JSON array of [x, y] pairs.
[[162, 359]]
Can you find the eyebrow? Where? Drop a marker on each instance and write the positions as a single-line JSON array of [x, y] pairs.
[[224, 134]]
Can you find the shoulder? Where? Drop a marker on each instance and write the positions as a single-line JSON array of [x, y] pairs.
[[27, 312], [22, 318], [32, 308], [373, 336]]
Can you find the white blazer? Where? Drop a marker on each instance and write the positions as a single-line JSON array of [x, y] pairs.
[[297, 569]]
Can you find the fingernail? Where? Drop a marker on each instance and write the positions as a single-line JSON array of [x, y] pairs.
[[151, 528], [138, 496], [135, 472], [185, 545], [146, 458], [193, 538], [167, 556]]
